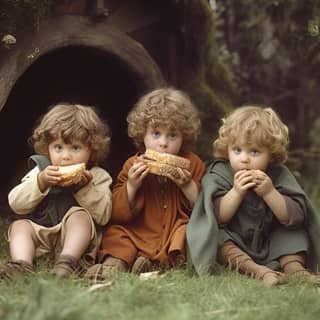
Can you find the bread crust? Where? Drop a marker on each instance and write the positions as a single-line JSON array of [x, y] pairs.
[[71, 174], [164, 164], [167, 158], [163, 169]]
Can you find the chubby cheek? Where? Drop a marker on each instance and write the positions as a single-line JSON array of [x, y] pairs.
[[235, 165], [55, 160]]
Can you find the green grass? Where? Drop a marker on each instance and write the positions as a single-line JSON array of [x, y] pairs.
[[179, 295]]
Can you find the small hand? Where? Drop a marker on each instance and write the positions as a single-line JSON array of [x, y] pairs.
[[85, 179], [243, 181], [137, 174], [49, 177], [181, 180], [263, 183]]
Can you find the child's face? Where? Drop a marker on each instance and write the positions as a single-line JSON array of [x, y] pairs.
[[63, 154], [163, 139], [248, 157]]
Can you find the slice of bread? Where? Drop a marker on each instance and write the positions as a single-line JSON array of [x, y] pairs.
[[167, 158], [71, 174], [164, 164]]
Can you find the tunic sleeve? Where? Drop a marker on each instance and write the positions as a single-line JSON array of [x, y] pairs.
[[96, 196], [26, 196], [121, 210], [197, 170], [295, 212]]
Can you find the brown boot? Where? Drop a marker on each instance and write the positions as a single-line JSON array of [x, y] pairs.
[[12, 268], [102, 271], [293, 266], [65, 266], [232, 256], [141, 265], [177, 259]]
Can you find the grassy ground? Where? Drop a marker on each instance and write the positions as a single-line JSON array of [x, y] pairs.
[[178, 295]]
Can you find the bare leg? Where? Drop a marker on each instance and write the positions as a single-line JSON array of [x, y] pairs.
[[76, 241], [78, 232], [23, 241]]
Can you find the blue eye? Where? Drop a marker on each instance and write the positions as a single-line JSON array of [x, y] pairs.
[[156, 134], [255, 152], [57, 147], [76, 147], [236, 150]]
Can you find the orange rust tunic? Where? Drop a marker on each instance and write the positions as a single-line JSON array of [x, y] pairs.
[[155, 227]]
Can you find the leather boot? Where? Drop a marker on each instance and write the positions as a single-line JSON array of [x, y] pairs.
[[232, 256], [12, 268], [65, 266], [107, 269], [141, 265], [293, 266]]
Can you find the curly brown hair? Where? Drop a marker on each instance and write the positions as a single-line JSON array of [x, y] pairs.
[[164, 107], [73, 122], [253, 125]]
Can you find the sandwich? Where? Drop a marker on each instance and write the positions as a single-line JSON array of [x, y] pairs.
[[71, 174], [164, 164]]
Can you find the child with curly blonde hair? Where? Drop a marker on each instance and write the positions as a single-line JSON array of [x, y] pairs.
[[252, 214], [60, 219], [150, 212]]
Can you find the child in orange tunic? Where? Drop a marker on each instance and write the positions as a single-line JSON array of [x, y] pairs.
[[150, 212]]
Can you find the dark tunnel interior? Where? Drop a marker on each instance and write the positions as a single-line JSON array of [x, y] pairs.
[[75, 74]]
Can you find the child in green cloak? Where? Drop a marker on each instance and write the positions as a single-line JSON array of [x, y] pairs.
[[252, 215]]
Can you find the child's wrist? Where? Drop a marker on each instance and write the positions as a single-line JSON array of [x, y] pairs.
[[238, 193], [41, 184]]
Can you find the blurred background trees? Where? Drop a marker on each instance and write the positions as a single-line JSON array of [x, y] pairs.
[[273, 50]]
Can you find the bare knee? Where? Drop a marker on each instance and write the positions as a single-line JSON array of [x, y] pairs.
[[22, 228], [79, 218]]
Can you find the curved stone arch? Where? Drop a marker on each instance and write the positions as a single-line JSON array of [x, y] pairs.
[[76, 31]]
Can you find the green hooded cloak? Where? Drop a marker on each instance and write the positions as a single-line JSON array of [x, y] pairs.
[[203, 230]]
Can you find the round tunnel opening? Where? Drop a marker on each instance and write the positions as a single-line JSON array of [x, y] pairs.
[[72, 74]]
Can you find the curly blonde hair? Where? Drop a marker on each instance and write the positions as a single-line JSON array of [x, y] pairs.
[[166, 107], [249, 125], [73, 122]]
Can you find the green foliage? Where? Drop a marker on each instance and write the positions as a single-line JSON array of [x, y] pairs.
[[17, 15], [273, 50], [210, 81]]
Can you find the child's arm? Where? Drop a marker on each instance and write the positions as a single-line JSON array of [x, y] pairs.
[[26, 196], [231, 201], [136, 175], [95, 196], [186, 184], [189, 181], [122, 210], [272, 197], [190, 191]]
